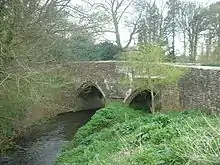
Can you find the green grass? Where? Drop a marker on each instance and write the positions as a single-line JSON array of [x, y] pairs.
[[118, 135]]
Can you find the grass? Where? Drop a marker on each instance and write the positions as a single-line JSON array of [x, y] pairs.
[[118, 135]]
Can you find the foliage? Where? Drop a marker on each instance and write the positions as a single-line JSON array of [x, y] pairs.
[[28, 31], [179, 26], [20, 93], [81, 47], [35, 37], [78, 47], [94, 52], [149, 69], [105, 51], [121, 135]]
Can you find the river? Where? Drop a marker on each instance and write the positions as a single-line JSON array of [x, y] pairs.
[[42, 145]]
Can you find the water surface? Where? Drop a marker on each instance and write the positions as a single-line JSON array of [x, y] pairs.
[[44, 144]]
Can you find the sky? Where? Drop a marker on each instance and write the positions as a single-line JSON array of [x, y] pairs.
[[203, 1], [124, 32]]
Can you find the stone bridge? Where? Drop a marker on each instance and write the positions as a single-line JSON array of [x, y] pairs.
[[98, 82]]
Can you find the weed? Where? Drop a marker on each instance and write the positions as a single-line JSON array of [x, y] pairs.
[[121, 135]]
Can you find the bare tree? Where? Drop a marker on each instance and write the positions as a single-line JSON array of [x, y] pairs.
[[152, 25], [30, 27], [213, 21], [109, 15], [182, 22], [191, 20], [171, 20]]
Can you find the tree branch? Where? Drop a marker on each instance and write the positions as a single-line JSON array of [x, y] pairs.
[[134, 31], [125, 9]]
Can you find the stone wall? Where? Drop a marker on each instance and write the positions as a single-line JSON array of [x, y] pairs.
[[170, 98], [106, 74], [200, 89]]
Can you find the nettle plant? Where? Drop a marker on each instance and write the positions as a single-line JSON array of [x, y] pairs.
[[150, 71]]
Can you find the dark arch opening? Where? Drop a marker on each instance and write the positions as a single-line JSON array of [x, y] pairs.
[[90, 97], [142, 100]]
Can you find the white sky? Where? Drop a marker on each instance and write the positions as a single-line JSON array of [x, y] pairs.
[[203, 1], [124, 32]]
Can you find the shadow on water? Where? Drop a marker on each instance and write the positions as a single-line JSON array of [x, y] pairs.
[[42, 145]]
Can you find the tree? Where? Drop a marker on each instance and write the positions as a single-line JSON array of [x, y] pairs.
[[212, 32], [149, 70], [81, 47], [182, 22], [152, 25], [171, 21], [78, 46], [29, 28], [213, 22], [107, 16], [194, 27], [105, 51], [28, 31], [192, 21]]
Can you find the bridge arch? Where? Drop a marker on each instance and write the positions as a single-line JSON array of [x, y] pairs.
[[89, 96], [140, 99]]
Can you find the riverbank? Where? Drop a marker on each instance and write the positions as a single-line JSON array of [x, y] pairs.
[[27, 99], [42, 145], [120, 135]]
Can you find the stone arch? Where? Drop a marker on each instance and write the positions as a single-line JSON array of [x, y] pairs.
[[140, 99], [89, 96]]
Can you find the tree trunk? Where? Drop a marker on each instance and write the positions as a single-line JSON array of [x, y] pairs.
[[195, 47], [190, 51], [191, 42], [184, 46], [117, 33], [173, 46], [208, 46], [152, 102]]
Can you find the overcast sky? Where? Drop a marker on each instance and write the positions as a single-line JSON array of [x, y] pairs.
[[202, 1]]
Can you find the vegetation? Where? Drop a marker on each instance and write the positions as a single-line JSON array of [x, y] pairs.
[[28, 31], [95, 52], [36, 37], [120, 135], [149, 70], [20, 94], [181, 27]]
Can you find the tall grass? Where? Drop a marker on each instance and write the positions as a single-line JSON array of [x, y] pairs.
[[201, 144], [120, 135]]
